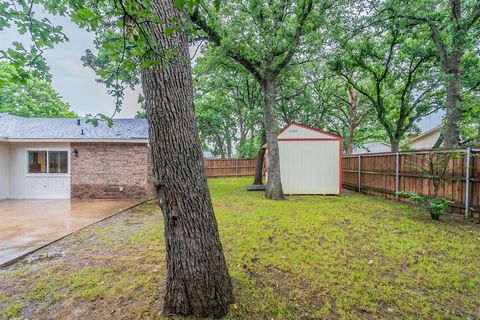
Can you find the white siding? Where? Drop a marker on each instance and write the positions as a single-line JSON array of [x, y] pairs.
[[310, 167], [25, 186], [425, 142], [4, 170]]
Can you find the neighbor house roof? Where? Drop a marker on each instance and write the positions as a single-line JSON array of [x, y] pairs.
[[20, 128]]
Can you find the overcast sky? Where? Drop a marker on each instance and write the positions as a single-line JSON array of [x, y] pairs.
[[77, 86]]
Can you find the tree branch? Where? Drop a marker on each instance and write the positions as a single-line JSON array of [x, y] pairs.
[[252, 66]]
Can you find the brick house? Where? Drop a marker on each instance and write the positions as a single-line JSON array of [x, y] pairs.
[[68, 158]]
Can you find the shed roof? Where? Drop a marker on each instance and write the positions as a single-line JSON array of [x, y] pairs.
[[296, 131], [20, 128]]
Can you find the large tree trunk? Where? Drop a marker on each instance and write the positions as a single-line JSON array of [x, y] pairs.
[[452, 66], [274, 183], [198, 282], [454, 114], [258, 179]]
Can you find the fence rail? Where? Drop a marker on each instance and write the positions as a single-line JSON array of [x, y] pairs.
[[215, 168], [390, 173]]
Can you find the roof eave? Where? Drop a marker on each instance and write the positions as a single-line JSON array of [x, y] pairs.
[[77, 140]]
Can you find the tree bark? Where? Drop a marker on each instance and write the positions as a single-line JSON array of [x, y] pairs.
[[395, 145], [453, 112], [439, 141], [198, 282], [478, 134], [258, 179], [228, 140], [274, 183], [452, 66], [353, 103]]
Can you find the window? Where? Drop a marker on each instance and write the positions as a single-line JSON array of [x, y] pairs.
[[37, 161], [57, 161]]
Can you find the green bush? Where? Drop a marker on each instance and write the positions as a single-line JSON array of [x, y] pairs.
[[436, 206]]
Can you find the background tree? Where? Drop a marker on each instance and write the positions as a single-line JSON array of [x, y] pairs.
[[229, 109], [23, 94], [452, 29], [264, 37], [394, 72], [353, 112]]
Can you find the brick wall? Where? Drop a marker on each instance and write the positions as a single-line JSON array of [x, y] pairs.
[[110, 171]]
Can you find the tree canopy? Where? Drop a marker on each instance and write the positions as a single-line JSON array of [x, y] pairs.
[[24, 94]]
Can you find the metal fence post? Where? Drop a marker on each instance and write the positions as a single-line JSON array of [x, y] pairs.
[[467, 184], [359, 173], [397, 174]]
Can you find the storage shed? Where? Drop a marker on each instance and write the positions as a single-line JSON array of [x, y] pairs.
[[310, 160]]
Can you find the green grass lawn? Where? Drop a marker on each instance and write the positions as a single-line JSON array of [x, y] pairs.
[[353, 256]]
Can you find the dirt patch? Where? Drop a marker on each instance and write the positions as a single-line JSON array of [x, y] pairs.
[[114, 269]]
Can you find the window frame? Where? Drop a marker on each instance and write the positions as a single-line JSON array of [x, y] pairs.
[[49, 174]]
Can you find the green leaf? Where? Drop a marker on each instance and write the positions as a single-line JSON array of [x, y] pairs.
[[179, 4], [168, 31]]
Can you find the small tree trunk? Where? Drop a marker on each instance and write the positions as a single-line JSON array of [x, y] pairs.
[[198, 282], [478, 134], [395, 145], [274, 183], [439, 141], [229, 145], [258, 179], [454, 114], [353, 103]]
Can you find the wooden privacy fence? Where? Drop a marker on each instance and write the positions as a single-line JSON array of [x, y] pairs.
[[389, 173], [234, 167]]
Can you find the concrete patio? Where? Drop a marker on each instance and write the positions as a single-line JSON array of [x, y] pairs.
[[28, 224]]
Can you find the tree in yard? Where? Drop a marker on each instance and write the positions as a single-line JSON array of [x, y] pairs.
[[470, 102], [23, 94], [148, 41], [452, 27], [228, 106], [264, 38], [354, 113], [395, 73]]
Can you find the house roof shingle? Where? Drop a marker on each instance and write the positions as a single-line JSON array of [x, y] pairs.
[[14, 127]]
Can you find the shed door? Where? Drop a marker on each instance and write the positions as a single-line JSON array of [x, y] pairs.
[[310, 167]]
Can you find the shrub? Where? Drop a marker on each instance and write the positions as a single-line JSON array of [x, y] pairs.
[[436, 206]]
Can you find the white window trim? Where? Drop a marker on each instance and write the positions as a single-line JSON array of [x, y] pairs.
[[47, 174]]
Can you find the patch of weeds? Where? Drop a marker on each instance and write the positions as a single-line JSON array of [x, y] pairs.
[[107, 282], [146, 209], [48, 286], [92, 283], [12, 311]]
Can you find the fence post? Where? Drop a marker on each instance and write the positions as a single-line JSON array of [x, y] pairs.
[[236, 167], [397, 174], [359, 172], [467, 184]]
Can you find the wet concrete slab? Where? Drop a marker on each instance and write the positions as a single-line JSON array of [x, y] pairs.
[[28, 224]]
